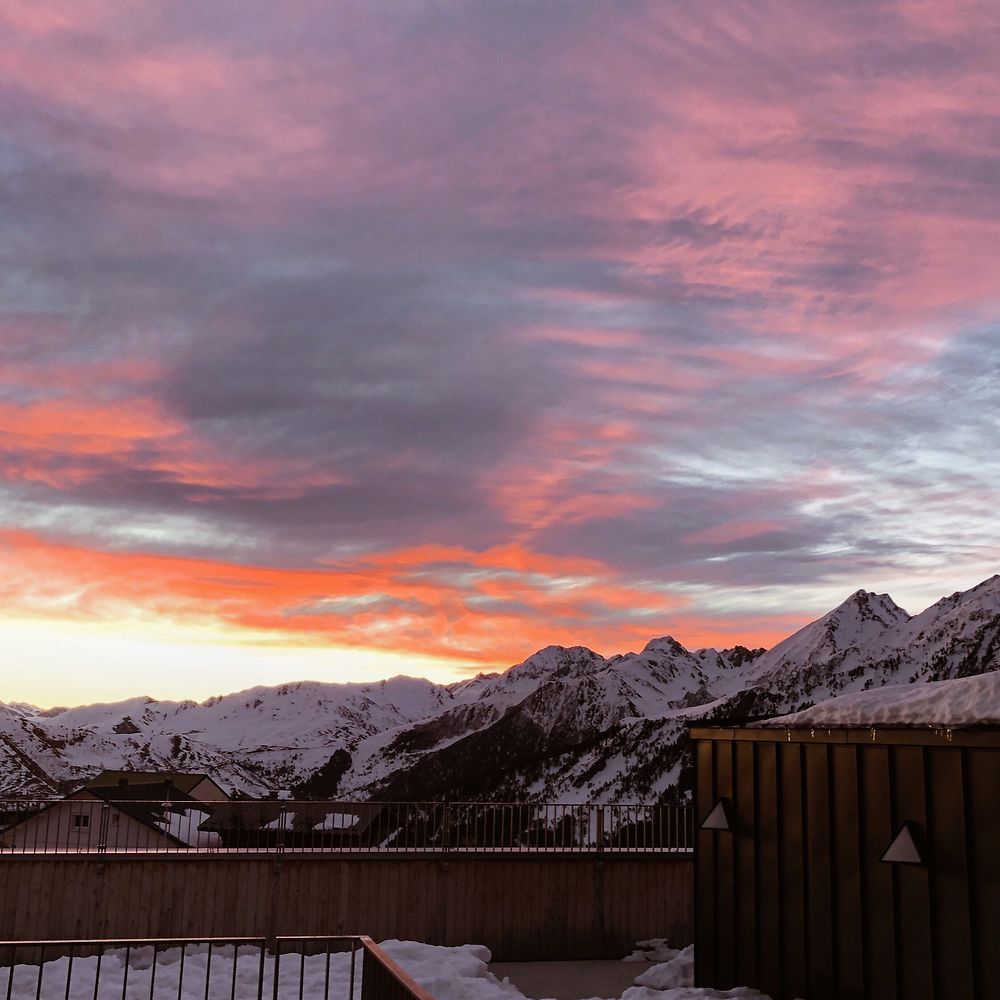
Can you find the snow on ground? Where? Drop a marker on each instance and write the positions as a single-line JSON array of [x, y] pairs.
[[446, 973], [677, 971], [965, 701], [654, 950], [674, 978], [459, 973]]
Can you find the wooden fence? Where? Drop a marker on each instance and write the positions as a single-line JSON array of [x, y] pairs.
[[797, 891], [523, 907]]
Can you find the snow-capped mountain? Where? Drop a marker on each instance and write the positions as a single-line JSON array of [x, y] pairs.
[[869, 642], [566, 724], [255, 740]]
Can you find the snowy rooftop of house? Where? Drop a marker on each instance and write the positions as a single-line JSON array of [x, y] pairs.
[[963, 703]]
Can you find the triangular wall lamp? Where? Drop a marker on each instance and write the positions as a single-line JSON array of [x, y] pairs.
[[906, 847], [720, 818]]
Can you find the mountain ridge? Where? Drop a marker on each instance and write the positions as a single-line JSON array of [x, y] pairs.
[[565, 724]]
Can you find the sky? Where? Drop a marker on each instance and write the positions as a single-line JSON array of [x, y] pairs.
[[344, 340]]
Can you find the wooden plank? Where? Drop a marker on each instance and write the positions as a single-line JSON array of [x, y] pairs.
[[143, 924], [915, 970], [387, 919], [949, 874], [792, 841], [520, 922], [534, 881], [705, 959], [983, 804], [745, 864], [820, 920], [439, 911], [317, 889], [110, 899], [8, 872], [30, 892], [768, 872], [534, 885], [879, 912], [355, 895], [611, 909], [451, 917], [626, 911], [725, 888], [252, 896], [849, 953], [686, 884], [572, 921]]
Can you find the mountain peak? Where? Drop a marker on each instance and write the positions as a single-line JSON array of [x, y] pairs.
[[555, 661], [858, 620], [665, 644], [863, 599]]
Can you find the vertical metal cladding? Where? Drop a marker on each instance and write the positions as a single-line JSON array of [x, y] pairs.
[[794, 899]]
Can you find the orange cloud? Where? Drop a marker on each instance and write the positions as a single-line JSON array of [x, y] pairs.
[[78, 428], [484, 607], [62, 442]]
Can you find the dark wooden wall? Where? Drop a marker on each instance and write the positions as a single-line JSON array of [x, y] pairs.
[[796, 902], [521, 907]]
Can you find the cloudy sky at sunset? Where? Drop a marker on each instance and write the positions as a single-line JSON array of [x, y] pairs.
[[339, 340]]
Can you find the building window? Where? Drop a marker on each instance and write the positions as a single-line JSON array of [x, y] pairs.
[[81, 821]]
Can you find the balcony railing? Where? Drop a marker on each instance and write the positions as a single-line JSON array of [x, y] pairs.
[[289, 968], [82, 825]]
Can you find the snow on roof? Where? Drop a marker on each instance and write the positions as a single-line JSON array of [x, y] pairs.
[[952, 704]]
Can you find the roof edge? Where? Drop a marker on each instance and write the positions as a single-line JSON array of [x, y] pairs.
[[985, 736]]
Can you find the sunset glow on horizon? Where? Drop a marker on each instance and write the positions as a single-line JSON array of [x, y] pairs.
[[343, 341]]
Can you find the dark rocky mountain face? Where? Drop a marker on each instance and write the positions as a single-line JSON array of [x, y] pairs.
[[566, 724]]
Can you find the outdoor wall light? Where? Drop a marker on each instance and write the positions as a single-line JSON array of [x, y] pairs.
[[906, 847], [720, 818]]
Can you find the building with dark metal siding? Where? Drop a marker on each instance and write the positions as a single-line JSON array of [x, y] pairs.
[[794, 897]]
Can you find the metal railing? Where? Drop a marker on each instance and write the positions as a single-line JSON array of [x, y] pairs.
[[292, 968], [81, 825]]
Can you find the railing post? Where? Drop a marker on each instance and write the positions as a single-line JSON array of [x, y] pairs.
[[102, 833], [282, 817], [600, 828]]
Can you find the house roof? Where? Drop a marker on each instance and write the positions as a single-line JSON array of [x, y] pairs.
[[137, 802], [153, 791], [987, 736], [272, 814], [182, 781]]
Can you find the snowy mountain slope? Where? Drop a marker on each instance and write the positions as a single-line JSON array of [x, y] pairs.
[[566, 724], [253, 740], [859, 624], [554, 737]]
